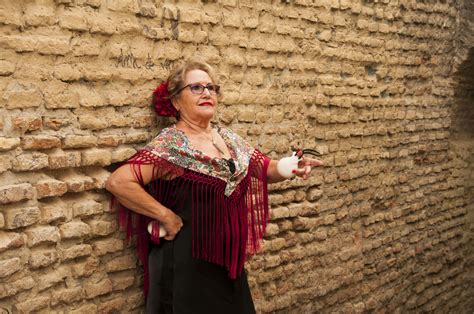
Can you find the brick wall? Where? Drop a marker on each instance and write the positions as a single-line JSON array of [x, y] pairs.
[[377, 86]]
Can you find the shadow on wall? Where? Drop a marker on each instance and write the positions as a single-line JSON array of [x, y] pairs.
[[463, 115], [462, 135]]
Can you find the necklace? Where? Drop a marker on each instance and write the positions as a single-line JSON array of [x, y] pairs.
[[230, 162], [213, 141]]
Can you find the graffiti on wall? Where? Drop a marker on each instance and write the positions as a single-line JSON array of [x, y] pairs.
[[128, 60]]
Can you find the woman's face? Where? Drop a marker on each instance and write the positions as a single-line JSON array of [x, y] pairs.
[[196, 108]]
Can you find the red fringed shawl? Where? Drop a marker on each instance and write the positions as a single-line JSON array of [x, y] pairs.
[[229, 212]]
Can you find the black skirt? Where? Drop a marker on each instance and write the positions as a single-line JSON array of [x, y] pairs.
[[180, 284]]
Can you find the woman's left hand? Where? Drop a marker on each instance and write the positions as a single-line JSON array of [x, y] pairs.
[[305, 165]]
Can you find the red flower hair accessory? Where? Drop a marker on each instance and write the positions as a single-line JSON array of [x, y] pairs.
[[162, 103]]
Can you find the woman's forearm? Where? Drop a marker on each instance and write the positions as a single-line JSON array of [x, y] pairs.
[[134, 197], [303, 170], [272, 173]]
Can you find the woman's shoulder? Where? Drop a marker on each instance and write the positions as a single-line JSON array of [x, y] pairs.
[[167, 137], [238, 142], [229, 133]]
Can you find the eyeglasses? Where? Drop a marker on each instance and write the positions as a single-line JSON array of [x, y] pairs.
[[198, 89]]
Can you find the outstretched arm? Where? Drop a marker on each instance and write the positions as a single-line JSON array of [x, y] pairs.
[[304, 169]]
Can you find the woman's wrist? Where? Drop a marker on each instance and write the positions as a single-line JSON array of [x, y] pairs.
[[273, 176], [163, 214]]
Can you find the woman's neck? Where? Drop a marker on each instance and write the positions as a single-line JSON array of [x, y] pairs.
[[203, 127]]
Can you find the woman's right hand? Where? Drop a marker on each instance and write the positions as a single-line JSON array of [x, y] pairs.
[[172, 224]]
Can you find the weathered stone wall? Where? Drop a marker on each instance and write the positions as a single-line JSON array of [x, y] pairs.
[[377, 86], [462, 131]]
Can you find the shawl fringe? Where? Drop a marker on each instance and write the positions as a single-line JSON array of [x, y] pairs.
[[225, 229]]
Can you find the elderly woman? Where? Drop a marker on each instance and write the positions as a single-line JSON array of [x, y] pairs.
[[207, 188]]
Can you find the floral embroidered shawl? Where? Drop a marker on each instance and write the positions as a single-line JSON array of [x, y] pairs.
[[232, 208]]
